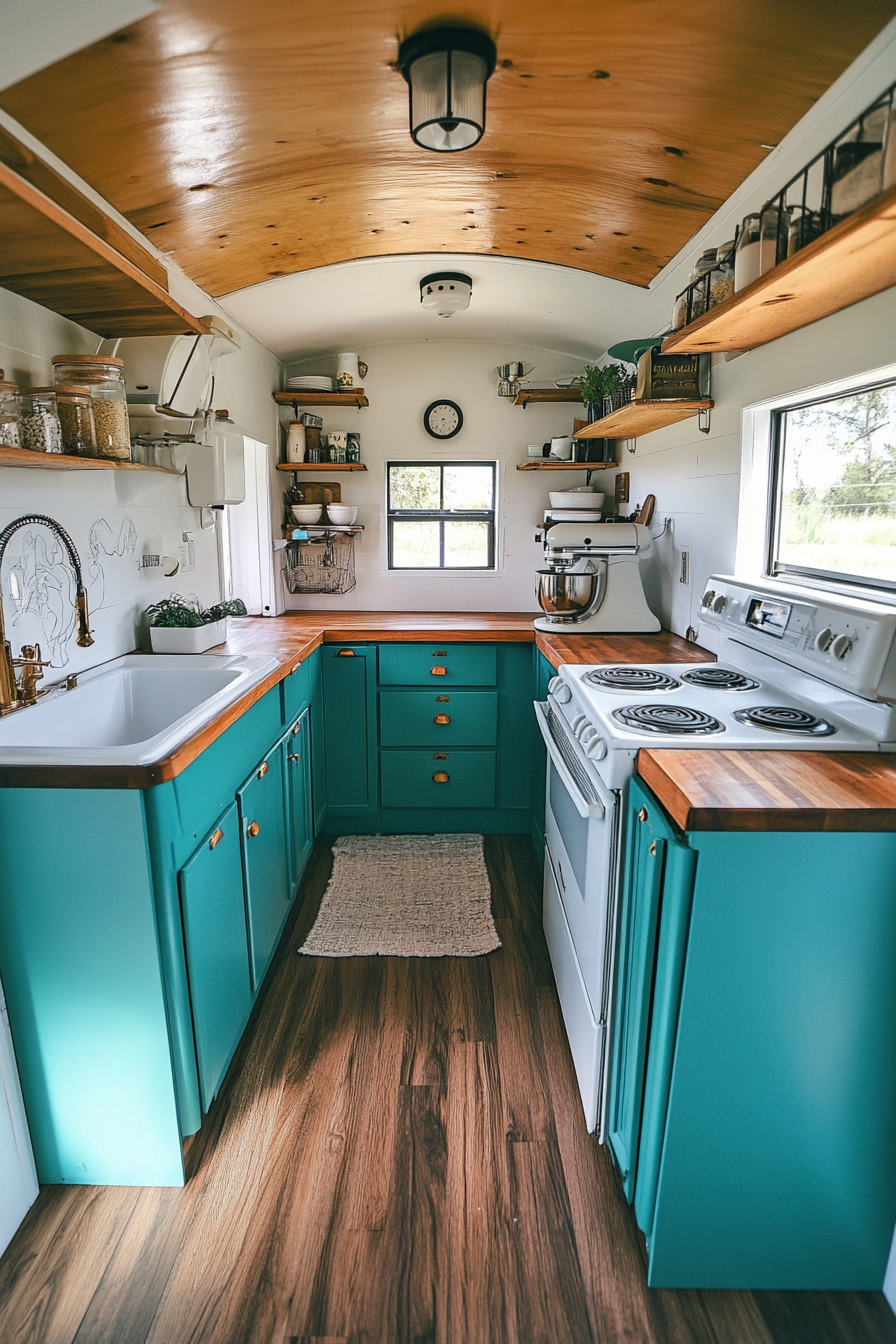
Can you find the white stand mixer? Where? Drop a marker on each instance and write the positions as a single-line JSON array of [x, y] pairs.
[[593, 581]]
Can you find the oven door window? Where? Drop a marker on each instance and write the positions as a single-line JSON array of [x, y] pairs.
[[573, 827]]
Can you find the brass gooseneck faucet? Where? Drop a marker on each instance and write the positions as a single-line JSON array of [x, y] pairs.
[[15, 695]]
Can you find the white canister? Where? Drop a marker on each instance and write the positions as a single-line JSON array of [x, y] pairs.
[[295, 442], [347, 373]]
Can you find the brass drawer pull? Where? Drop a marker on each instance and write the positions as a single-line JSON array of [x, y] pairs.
[[442, 718], [443, 699], [440, 653], [440, 756], [216, 838], [294, 756], [642, 814], [252, 829], [653, 849], [346, 653], [438, 671], [263, 769], [440, 777]]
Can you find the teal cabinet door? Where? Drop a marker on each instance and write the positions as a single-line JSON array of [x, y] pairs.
[[211, 893], [297, 760], [349, 685], [438, 718], [262, 809]]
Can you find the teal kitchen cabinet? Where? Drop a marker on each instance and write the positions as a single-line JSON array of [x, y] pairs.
[[438, 664], [438, 718], [349, 726], [437, 779], [752, 1097], [214, 916], [262, 806], [298, 797]]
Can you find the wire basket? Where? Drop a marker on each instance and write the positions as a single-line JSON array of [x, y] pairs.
[[324, 565]]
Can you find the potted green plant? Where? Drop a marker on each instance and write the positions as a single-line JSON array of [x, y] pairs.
[[600, 386], [179, 625]]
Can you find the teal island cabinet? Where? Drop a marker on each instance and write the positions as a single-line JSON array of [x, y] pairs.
[[752, 1093], [136, 927]]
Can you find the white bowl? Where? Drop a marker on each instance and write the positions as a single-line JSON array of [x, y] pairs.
[[576, 499], [341, 514], [306, 513]]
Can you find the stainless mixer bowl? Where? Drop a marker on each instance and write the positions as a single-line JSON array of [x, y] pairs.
[[565, 595]]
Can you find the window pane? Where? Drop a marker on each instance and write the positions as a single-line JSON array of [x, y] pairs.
[[414, 488], [415, 545], [469, 487], [838, 486], [466, 545]]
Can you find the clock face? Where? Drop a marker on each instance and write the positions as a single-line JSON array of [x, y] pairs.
[[443, 419]]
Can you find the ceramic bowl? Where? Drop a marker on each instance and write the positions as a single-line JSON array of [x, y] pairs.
[[342, 514], [306, 513]]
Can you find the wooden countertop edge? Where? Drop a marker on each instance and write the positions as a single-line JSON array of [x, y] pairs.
[[843, 812]]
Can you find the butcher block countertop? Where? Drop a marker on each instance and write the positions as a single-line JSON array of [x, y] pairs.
[[715, 790], [663, 647]]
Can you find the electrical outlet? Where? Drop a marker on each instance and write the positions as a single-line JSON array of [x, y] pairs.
[[187, 552], [684, 565]]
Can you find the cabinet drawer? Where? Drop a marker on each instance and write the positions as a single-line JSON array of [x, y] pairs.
[[438, 718], [438, 664], [410, 778]]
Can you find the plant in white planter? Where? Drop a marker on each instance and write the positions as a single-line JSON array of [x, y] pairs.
[[179, 625]]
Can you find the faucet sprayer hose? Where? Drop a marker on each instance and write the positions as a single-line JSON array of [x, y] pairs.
[[84, 636]]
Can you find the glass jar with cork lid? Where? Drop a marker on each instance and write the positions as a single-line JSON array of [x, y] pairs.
[[75, 408], [9, 413], [104, 376]]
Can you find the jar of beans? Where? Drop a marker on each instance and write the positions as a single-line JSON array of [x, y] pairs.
[[75, 408], [39, 427], [9, 413], [104, 376]]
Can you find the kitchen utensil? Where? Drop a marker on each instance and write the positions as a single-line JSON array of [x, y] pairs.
[[342, 514], [564, 594], [645, 513], [306, 513]]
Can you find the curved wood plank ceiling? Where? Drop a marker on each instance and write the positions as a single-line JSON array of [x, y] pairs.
[[251, 141]]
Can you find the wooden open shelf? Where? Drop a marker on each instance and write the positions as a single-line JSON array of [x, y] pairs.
[[321, 466], [49, 256], [642, 417], [354, 398], [23, 457], [527, 394], [849, 263], [544, 465]]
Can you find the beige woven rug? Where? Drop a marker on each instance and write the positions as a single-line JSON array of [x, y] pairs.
[[405, 896]]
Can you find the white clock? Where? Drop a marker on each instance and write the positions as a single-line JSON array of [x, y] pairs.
[[443, 419]]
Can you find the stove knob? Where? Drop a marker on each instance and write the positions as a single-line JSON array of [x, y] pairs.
[[562, 694], [708, 597], [553, 684], [841, 646], [586, 732], [579, 724], [596, 748], [720, 603], [824, 639]]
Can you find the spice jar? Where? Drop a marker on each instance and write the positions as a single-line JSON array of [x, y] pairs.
[[702, 268], [104, 376], [721, 278], [746, 253], [9, 413], [75, 407], [39, 428]]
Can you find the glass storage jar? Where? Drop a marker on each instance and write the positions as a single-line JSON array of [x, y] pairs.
[[104, 376], [700, 295], [746, 253], [39, 427], [75, 407], [721, 277], [9, 413]]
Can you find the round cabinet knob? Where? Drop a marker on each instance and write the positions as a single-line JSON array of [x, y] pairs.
[[438, 671], [263, 769], [596, 748], [841, 646], [441, 718], [440, 777], [824, 639], [563, 694], [294, 756], [252, 829], [653, 849], [720, 603], [642, 813], [708, 596]]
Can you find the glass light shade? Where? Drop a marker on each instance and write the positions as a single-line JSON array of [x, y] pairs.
[[447, 71]]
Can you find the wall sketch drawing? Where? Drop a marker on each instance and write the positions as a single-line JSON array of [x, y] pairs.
[[42, 585], [103, 548]]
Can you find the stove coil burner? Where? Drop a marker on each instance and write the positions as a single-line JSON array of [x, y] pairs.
[[631, 679], [719, 679], [678, 719], [782, 719]]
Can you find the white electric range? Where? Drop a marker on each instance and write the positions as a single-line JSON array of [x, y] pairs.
[[797, 671]]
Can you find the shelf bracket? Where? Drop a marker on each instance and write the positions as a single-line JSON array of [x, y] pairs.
[[704, 419]]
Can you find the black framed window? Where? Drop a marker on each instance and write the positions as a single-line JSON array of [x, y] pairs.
[[441, 515], [833, 515]]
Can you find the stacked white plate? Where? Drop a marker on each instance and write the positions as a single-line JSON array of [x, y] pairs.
[[309, 382]]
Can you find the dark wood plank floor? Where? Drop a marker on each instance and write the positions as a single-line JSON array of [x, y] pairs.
[[398, 1156]]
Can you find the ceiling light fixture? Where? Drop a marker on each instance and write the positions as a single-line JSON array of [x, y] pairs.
[[446, 70], [446, 292]]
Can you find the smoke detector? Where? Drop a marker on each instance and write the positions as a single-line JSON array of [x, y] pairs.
[[446, 292]]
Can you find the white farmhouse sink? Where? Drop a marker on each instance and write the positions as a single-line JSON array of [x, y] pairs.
[[132, 711]]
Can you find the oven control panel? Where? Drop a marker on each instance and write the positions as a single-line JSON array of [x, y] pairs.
[[848, 642]]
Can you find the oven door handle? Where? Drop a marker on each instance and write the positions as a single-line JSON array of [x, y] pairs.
[[584, 808]]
